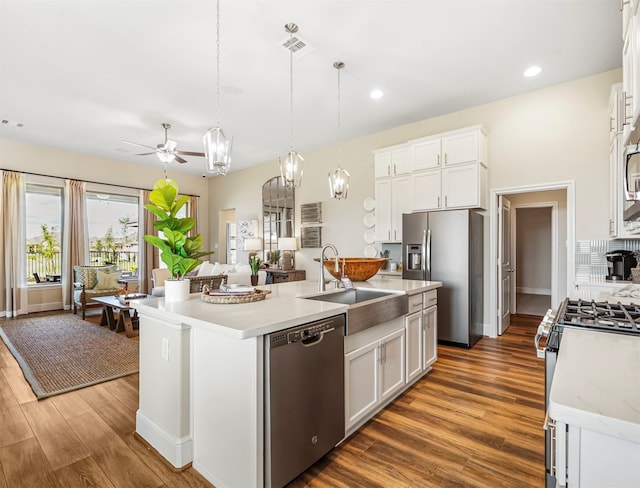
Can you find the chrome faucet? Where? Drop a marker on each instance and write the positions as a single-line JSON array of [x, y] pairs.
[[321, 282]]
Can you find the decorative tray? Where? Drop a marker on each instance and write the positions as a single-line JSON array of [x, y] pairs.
[[221, 297]]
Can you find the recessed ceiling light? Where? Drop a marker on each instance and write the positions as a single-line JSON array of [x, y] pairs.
[[532, 71], [376, 94]]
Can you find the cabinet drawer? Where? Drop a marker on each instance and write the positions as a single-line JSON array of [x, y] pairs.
[[280, 278], [415, 303], [430, 298]]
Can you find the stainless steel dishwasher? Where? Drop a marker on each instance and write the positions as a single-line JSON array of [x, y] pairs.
[[304, 397]]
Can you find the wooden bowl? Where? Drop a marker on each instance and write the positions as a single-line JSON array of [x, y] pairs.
[[357, 269]]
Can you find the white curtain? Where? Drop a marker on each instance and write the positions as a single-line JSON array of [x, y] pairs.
[[13, 247], [74, 236]]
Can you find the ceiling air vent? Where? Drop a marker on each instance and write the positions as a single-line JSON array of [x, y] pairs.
[[11, 123], [297, 46]]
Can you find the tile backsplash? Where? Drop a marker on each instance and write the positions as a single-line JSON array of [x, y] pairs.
[[591, 263]]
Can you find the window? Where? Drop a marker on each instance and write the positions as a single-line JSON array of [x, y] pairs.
[[112, 223], [44, 233]]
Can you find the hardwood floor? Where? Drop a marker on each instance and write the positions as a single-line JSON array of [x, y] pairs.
[[475, 420]]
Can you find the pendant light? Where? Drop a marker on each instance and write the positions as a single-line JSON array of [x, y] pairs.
[[217, 143], [292, 164], [339, 178]]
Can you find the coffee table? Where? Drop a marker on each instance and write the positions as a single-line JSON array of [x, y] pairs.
[[126, 322]]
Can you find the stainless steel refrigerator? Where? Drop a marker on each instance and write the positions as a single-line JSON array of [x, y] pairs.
[[447, 246]]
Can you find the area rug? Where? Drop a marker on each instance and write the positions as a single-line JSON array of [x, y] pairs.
[[61, 353]]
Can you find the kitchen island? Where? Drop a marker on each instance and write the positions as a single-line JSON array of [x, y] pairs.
[[202, 374], [595, 404]]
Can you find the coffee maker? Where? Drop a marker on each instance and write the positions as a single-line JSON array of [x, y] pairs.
[[620, 264]]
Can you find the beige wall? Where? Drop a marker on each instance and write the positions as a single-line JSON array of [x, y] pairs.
[[550, 135], [29, 158]]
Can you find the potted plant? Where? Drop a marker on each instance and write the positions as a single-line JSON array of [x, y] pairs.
[[179, 252], [255, 262], [274, 257]]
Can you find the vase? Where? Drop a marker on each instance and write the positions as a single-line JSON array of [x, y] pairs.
[[635, 275], [177, 290], [254, 279]]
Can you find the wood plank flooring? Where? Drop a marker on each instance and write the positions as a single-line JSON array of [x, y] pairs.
[[474, 421]]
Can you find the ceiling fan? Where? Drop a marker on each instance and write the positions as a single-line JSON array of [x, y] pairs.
[[166, 152]]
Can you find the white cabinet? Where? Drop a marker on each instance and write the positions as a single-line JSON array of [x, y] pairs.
[[374, 372], [450, 170], [464, 186], [427, 190], [394, 196], [392, 161], [413, 330], [429, 337], [630, 72], [421, 332], [426, 153], [583, 457], [468, 145]]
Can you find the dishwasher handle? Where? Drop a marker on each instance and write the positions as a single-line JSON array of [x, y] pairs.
[[317, 339]]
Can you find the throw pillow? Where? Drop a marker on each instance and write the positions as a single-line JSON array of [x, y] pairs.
[[107, 281], [205, 269]]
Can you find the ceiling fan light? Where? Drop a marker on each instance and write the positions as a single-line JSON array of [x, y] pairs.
[[217, 150], [291, 167], [339, 183]]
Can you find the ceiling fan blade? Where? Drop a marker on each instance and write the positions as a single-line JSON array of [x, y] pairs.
[[145, 154], [137, 144], [179, 159], [190, 153]]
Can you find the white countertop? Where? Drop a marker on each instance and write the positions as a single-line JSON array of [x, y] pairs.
[[284, 307], [596, 383]]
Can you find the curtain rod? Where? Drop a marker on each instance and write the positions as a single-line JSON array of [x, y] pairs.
[[89, 181]]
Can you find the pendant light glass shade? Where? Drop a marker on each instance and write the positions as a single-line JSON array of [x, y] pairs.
[[338, 183], [339, 178], [217, 149], [217, 144], [291, 165]]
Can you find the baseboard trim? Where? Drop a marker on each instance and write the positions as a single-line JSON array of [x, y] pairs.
[[177, 451], [533, 291]]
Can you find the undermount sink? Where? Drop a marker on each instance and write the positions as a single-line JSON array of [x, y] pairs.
[[367, 307]]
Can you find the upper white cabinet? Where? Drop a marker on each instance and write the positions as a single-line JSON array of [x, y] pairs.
[[394, 196], [630, 98], [450, 170], [392, 161]]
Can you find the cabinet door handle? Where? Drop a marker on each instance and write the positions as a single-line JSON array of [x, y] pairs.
[[611, 124], [395, 170], [438, 164], [445, 201], [445, 159], [626, 102], [388, 170], [438, 201]]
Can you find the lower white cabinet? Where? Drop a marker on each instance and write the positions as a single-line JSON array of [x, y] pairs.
[[429, 337], [374, 372], [421, 330], [583, 457]]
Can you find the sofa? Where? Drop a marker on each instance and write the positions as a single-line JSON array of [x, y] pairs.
[[212, 274], [94, 281]]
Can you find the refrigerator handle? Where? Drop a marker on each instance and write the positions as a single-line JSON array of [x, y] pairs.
[[426, 253]]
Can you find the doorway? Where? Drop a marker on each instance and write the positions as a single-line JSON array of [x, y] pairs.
[[534, 250], [556, 257], [227, 233]]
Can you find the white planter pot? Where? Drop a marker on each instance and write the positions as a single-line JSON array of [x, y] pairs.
[[176, 290]]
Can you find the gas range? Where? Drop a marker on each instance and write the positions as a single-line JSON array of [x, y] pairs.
[[602, 316], [586, 314]]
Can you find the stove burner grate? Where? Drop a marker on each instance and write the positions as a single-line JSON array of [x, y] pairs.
[[613, 317]]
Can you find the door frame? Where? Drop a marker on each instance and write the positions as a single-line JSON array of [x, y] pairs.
[[554, 248], [491, 329]]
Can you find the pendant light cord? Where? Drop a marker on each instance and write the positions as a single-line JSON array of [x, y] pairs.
[[339, 122], [218, 62], [291, 88]]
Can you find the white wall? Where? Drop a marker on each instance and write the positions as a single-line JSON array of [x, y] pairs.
[[533, 250]]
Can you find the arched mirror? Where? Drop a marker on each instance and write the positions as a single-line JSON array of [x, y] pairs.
[[278, 213]]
